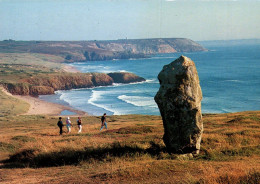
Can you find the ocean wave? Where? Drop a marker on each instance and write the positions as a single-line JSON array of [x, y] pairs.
[[96, 96], [94, 68], [158, 57], [151, 81], [233, 80], [65, 97], [58, 92], [138, 101], [124, 71], [225, 110], [155, 81], [211, 111], [126, 84]]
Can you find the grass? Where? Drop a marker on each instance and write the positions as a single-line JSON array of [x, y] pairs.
[[6, 147], [14, 67], [130, 151], [9, 105], [23, 139], [31, 61]]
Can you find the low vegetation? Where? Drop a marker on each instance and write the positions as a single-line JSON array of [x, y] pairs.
[[71, 51], [10, 106], [130, 151], [37, 74]]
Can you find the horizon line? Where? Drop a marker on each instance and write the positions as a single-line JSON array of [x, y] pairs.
[[127, 39]]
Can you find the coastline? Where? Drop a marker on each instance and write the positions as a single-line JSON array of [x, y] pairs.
[[41, 107], [71, 69], [38, 107]]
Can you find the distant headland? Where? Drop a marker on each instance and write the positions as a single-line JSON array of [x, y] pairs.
[[75, 51]]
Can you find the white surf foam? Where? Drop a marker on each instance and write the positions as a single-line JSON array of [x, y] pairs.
[[126, 84], [124, 71], [94, 97], [162, 57], [97, 95], [238, 81], [138, 101], [152, 81], [64, 97]]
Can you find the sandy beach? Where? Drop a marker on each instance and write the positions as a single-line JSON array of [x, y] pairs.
[[40, 107], [71, 69]]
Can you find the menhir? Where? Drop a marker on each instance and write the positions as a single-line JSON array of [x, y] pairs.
[[179, 100]]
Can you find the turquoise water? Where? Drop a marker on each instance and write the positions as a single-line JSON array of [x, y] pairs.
[[229, 78]]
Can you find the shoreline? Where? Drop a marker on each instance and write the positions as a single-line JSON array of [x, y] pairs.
[[70, 69], [41, 107]]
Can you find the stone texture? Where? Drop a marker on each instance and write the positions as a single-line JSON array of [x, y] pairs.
[[179, 100]]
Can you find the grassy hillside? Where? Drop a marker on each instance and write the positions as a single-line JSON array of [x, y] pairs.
[[10, 106], [130, 151], [38, 74], [15, 66], [42, 62], [72, 51]]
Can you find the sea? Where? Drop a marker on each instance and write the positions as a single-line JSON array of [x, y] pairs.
[[229, 76]]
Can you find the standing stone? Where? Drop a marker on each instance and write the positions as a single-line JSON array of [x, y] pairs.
[[179, 100]]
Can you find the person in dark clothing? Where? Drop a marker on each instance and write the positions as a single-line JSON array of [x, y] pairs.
[[103, 121], [79, 124], [60, 124]]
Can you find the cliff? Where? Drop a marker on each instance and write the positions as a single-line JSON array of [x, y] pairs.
[[72, 51], [123, 77], [43, 84]]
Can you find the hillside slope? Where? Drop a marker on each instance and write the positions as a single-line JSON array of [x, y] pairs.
[[72, 51], [130, 151]]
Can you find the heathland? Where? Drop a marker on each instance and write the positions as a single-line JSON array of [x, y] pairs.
[[71, 51], [35, 74], [130, 151]]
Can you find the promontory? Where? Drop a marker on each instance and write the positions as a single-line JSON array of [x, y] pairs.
[[71, 51]]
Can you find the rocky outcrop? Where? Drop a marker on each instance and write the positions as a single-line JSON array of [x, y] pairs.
[[43, 84], [179, 100], [124, 77]]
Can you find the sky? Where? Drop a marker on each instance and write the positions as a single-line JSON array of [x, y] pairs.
[[198, 20]]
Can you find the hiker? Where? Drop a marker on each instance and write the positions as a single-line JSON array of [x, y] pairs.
[[103, 121], [79, 124], [60, 125], [68, 124]]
